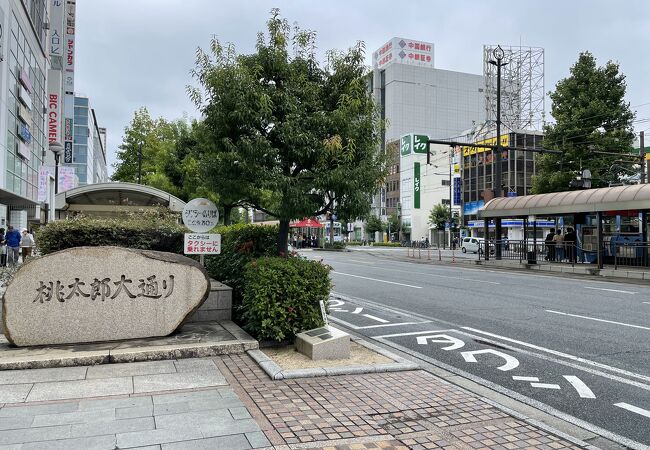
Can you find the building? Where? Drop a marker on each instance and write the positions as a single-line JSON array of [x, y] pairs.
[[88, 158], [23, 73], [518, 168], [416, 97]]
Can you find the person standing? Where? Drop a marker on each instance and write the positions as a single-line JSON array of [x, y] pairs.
[[3, 248], [550, 245], [558, 239], [27, 244], [570, 240], [13, 245]]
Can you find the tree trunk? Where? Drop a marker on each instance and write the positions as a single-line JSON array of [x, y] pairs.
[[283, 237], [226, 214], [331, 229]]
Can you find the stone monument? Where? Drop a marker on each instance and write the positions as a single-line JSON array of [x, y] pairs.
[[92, 294], [324, 343]]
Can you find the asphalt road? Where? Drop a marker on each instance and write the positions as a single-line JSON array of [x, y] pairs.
[[575, 347]]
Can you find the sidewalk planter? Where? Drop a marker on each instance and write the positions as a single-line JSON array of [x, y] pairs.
[[281, 297]]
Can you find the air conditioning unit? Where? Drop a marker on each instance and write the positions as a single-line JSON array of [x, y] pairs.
[[46, 25]]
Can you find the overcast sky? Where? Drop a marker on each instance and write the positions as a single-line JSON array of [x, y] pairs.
[[139, 52]]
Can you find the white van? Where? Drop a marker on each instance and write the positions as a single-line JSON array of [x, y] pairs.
[[472, 244]]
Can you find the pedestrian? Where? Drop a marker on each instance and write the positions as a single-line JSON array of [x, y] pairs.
[[3, 248], [558, 241], [550, 245], [13, 245], [27, 244], [570, 244]]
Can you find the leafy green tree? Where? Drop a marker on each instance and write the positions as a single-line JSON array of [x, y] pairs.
[[439, 215], [394, 222], [590, 114], [375, 224], [289, 136]]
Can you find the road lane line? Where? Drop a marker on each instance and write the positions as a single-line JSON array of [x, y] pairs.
[[376, 279], [361, 262], [634, 409], [518, 378], [609, 290], [561, 354], [545, 385], [411, 333], [647, 303], [391, 325], [429, 274], [597, 320], [357, 310], [378, 319], [343, 322], [578, 385]]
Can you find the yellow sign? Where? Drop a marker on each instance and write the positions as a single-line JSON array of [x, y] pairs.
[[505, 140], [456, 168]]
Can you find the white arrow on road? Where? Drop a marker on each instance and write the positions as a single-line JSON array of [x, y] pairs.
[[511, 361], [442, 339]]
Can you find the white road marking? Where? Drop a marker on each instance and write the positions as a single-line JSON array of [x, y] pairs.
[[634, 409], [391, 325], [455, 343], [411, 333], [339, 310], [647, 303], [357, 310], [518, 378], [378, 319], [429, 274], [365, 263], [583, 389], [567, 356], [335, 302], [344, 323], [375, 279], [597, 320], [610, 290], [511, 361], [546, 385]]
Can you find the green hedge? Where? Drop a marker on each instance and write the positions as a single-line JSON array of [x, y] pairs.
[[240, 244], [335, 245], [386, 244], [354, 243], [281, 297], [148, 230]]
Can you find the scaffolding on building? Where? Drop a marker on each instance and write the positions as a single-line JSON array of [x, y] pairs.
[[522, 89]]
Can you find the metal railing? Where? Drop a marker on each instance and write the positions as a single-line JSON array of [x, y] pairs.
[[627, 254]]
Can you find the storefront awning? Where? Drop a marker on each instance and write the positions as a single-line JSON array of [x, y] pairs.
[[618, 198]]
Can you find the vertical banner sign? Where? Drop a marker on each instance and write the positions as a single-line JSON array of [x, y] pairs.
[[416, 185], [54, 105], [67, 154], [69, 45], [57, 34], [67, 178], [457, 184], [405, 144], [420, 143]]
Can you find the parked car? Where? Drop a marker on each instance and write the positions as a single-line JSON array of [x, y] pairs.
[[472, 244]]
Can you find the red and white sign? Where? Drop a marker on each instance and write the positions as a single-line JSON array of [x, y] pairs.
[[404, 51], [69, 43], [202, 244], [54, 113]]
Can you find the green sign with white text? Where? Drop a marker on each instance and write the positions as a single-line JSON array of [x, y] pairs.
[[416, 185], [405, 144], [420, 143]]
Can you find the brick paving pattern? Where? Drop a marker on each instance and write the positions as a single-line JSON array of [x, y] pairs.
[[397, 410]]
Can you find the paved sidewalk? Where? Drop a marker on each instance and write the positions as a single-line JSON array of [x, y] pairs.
[[228, 402]]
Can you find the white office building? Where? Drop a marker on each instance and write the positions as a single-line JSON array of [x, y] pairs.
[[418, 98]]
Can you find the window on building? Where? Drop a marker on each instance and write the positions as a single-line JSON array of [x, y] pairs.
[[445, 182], [445, 201]]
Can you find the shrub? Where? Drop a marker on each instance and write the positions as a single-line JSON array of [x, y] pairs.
[[354, 243], [240, 244], [386, 244], [282, 295], [335, 245], [148, 230]]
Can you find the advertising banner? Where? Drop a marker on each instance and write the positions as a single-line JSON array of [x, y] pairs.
[[404, 51], [416, 185], [405, 144], [56, 27], [44, 182], [467, 151], [67, 153], [54, 115], [457, 191], [420, 143], [67, 178], [69, 59]]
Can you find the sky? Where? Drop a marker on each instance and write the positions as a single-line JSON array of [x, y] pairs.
[[138, 53]]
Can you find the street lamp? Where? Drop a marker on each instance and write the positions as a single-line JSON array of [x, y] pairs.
[[498, 55], [57, 149]]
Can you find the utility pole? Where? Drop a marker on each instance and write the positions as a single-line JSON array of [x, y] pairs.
[[498, 62], [642, 157], [450, 213], [140, 163]]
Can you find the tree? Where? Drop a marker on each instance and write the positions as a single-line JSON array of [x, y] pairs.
[[375, 224], [439, 215], [168, 159], [590, 114], [288, 136]]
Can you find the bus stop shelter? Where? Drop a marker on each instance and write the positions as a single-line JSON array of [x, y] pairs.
[[631, 199]]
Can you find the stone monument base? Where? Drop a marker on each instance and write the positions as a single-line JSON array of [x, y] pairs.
[[324, 343]]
